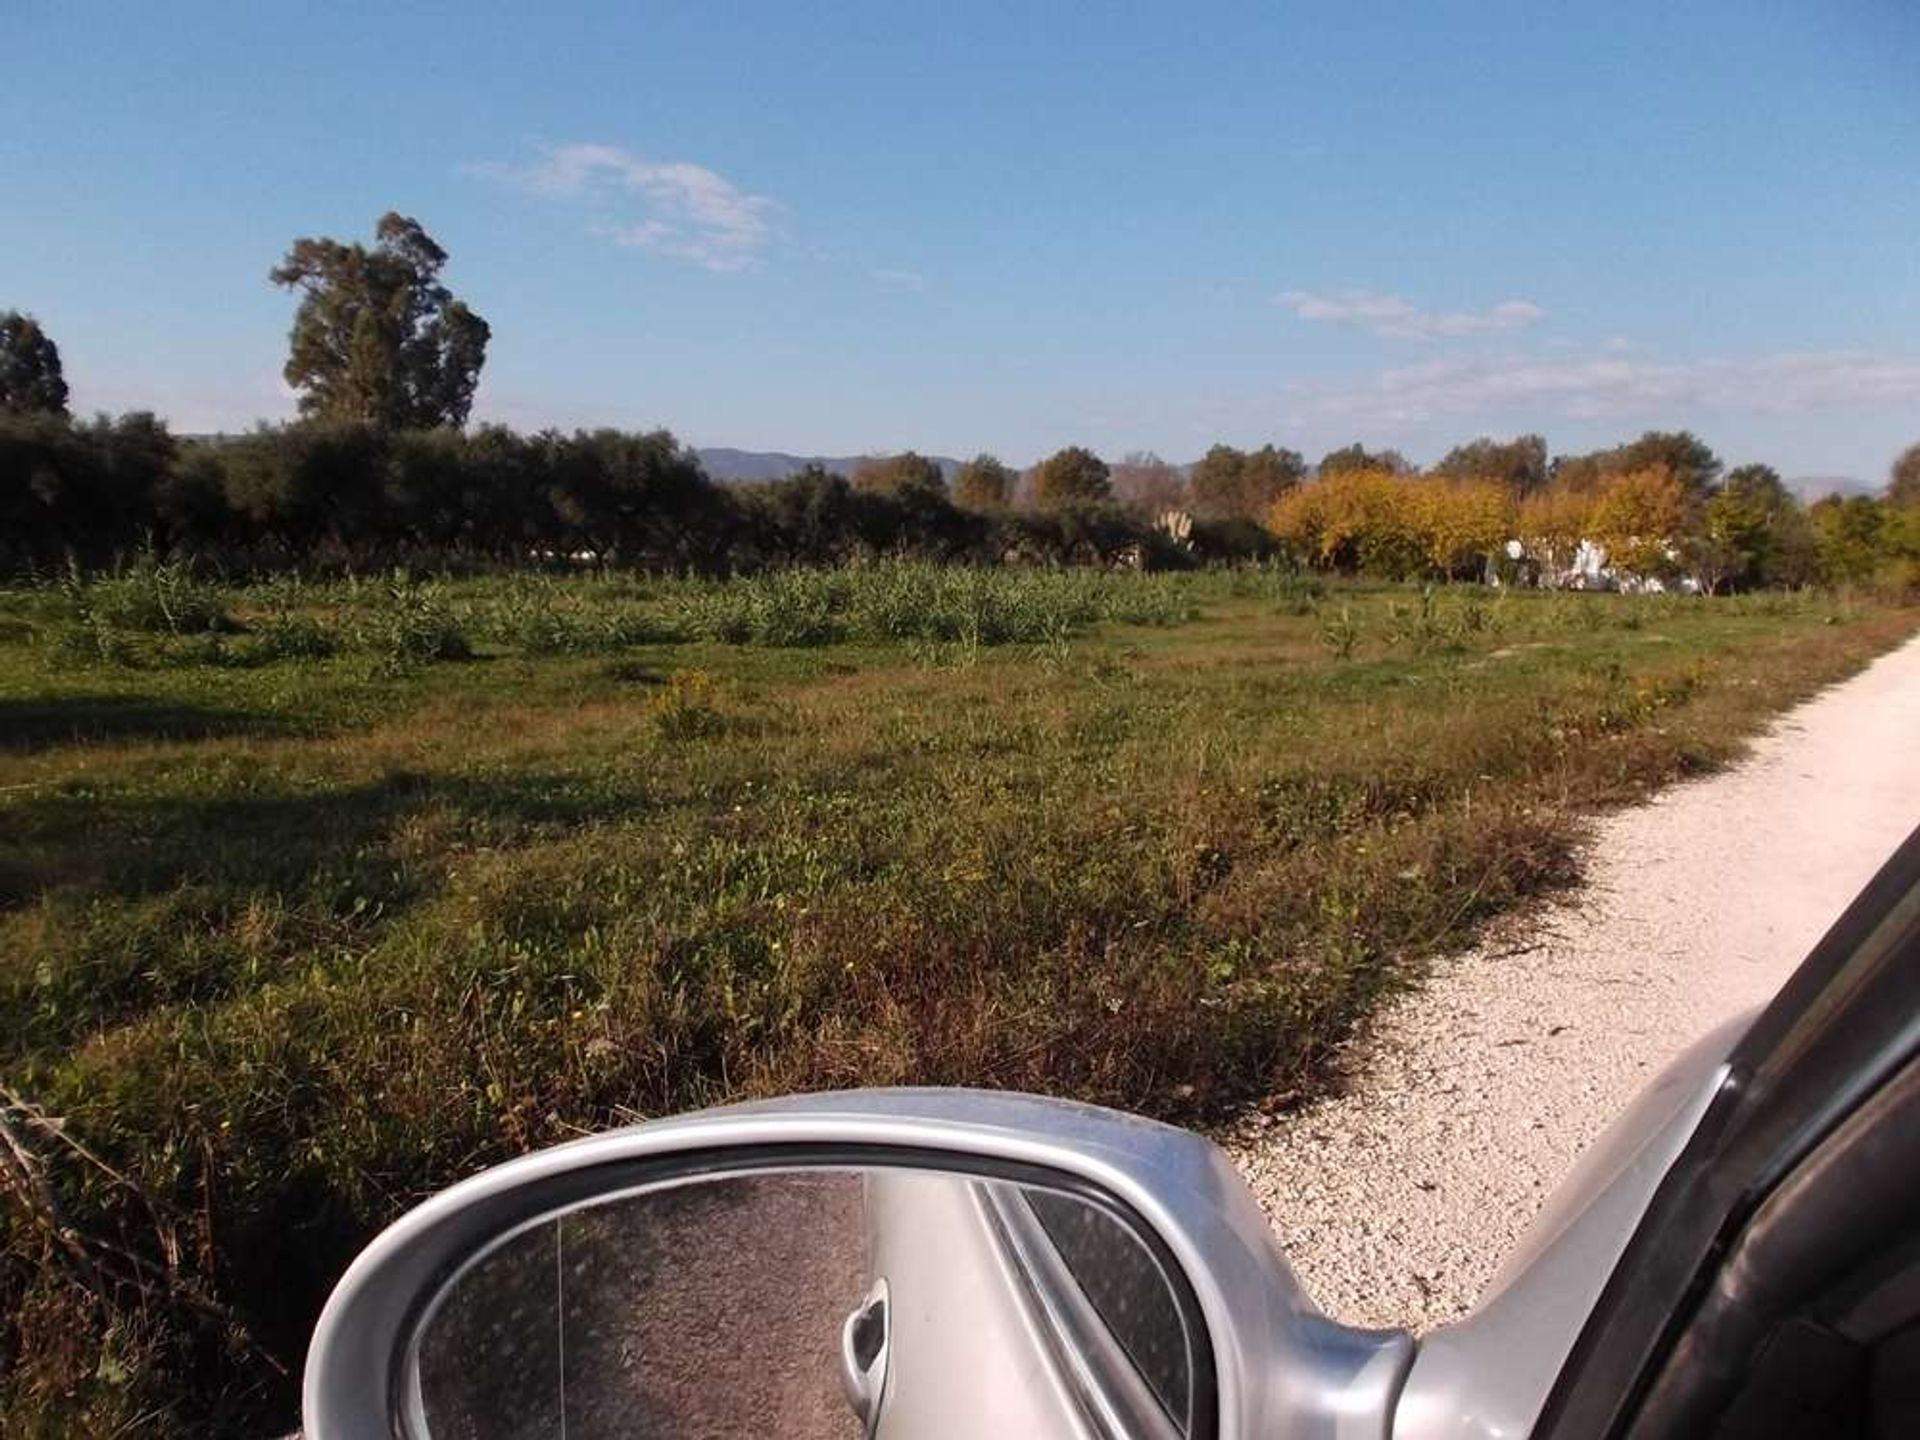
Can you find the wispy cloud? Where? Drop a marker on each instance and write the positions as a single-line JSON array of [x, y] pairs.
[[1608, 385], [682, 209], [1398, 319], [900, 279]]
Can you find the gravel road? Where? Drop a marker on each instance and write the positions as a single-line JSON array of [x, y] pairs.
[[1473, 1095]]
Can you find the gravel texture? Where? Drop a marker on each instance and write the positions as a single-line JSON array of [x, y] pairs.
[[1471, 1096]]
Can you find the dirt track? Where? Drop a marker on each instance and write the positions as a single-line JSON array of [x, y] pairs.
[[1472, 1096]]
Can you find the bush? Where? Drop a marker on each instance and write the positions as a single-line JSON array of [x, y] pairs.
[[537, 616], [1233, 540], [288, 636], [786, 608], [151, 596], [413, 623], [684, 708]]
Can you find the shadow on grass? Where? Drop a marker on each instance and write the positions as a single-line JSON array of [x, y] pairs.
[[156, 901], [147, 899], [330, 842], [28, 726]]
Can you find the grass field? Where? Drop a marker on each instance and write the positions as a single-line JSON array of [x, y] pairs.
[[316, 897]]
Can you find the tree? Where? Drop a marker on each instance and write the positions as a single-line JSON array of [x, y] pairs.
[[88, 488], [1684, 455], [1230, 484], [1735, 540], [298, 487], [378, 340], [1724, 551], [1850, 537], [1268, 474], [1213, 482], [1365, 521], [809, 518], [1681, 453], [1356, 457], [1552, 523], [1519, 464], [1641, 517], [1577, 474], [1752, 532], [1465, 523], [983, 483], [898, 474], [1903, 481], [1070, 476], [1758, 485], [640, 497], [31, 382], [44, 489], [190, 500], [1146, 484]]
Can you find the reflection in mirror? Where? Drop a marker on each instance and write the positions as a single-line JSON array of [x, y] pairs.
[[812, 1303]]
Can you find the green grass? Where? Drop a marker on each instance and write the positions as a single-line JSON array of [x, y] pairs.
[[329, 894]]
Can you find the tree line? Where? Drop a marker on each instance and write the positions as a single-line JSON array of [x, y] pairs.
[[1657, 509], [381, 468], [330, 495]]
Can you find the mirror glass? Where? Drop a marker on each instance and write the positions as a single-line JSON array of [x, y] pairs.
[[811, 1303]]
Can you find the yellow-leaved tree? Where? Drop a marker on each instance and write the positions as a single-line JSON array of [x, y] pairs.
[[1552, 523], [1466, 524], [1364, 521], [1642, 517]]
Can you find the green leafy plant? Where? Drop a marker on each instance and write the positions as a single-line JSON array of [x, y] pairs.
[[1340, 633]]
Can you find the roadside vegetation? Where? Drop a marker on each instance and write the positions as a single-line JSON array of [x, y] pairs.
[[315, 896]]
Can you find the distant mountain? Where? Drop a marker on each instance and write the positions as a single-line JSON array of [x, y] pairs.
[[738, 465], [1817, 487]]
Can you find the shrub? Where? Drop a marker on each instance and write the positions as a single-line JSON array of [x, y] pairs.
[[292, 636], [786, 608], [684, 707], [537, 619], [1339, 634], [413, 623], [150, 596]]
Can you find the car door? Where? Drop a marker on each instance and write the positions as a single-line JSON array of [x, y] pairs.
[[1772, 1286]]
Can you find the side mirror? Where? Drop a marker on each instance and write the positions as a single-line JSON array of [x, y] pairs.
[[873, 1263]]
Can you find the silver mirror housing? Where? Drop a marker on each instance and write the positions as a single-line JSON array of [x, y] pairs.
[[1277, 1366]]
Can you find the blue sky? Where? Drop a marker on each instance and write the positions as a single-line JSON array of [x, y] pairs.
[[848, 228]]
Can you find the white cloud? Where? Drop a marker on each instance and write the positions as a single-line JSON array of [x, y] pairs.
[[1606, 385], [900, 279], [1398, 319], [686, 210]]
